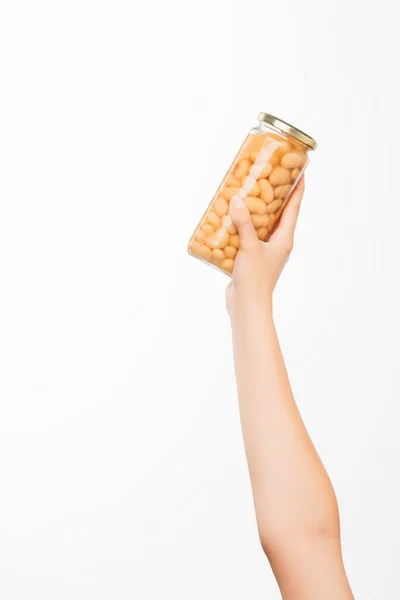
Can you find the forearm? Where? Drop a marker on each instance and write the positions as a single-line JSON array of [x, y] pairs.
[[292, 492]]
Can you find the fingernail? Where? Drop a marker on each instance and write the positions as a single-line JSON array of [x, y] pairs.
[[237, 201]]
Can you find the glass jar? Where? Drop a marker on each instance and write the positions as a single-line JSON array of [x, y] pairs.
[[264, 173]]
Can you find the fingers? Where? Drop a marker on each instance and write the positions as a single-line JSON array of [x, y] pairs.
[[242, 220], [284, 233]]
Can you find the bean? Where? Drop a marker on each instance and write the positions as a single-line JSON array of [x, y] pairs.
[[254, 154], [228, 192], [252, 204], [274, 206], [266, 172], [243, 169], [207, 229], [262, 234], [292, 160], [219, 239], [232, 229], [245, 155], [256, 142], [221, 207], [232, 181], [278, 153], [235, 241], [266, 190], [281, 191], [229, 226], [250, 185], [218, 255], [230, 251], [260, 221], [295, 174], [255, 205], [279, 176], [200, 236], [214, 220], [201, 251], [227, 265], [255, 190]]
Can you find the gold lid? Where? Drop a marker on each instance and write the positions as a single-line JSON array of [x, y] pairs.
[[289, 129]]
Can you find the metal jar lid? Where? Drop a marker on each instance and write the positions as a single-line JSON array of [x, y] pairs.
[[289, 129]]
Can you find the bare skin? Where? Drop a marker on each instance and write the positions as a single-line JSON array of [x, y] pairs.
[[296, 508]]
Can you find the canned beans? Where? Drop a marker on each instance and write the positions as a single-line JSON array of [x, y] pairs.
[[263, 175]]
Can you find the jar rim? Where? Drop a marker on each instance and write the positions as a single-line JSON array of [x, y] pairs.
[[289, 129]]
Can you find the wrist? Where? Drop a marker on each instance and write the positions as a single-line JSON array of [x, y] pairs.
[[250, 309]]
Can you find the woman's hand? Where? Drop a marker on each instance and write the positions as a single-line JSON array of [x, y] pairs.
[[258, 265]]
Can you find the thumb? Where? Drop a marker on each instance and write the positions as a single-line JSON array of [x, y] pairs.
[[242, 220], [287, 225]]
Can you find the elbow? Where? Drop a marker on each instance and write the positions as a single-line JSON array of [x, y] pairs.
[[276, 536], [280, 542]]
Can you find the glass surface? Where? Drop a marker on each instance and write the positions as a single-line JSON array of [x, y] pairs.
[[264, 173]]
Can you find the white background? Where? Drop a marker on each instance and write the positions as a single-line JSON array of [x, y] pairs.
[[122, 472]]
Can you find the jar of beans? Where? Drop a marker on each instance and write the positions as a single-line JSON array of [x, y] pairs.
[[264, 173]]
